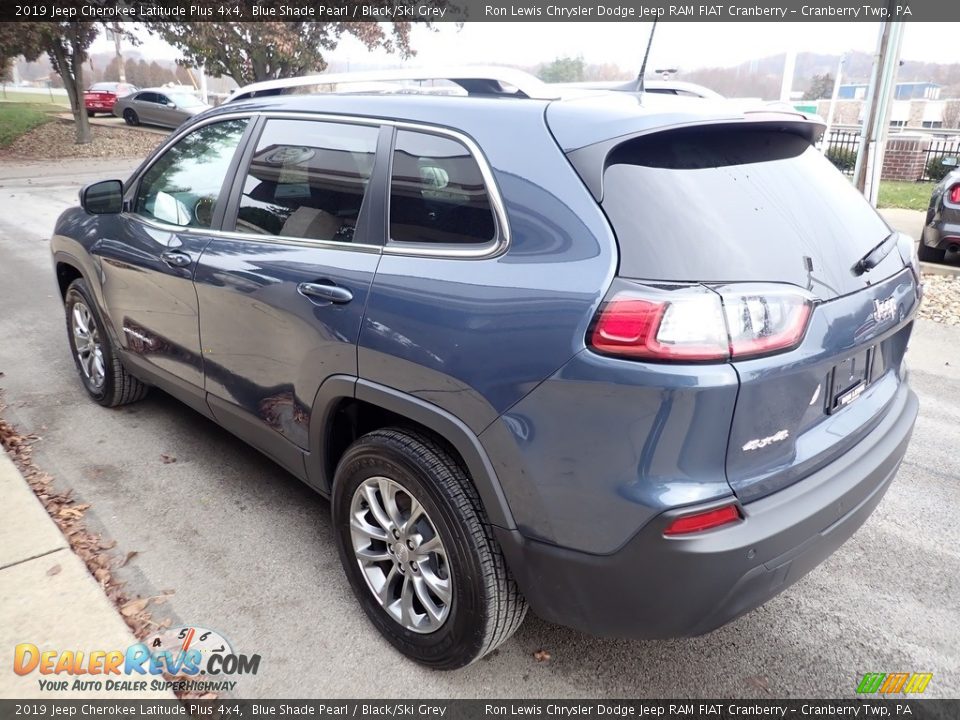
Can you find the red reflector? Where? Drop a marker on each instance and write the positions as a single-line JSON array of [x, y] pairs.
[[703, 521], [955, 194]]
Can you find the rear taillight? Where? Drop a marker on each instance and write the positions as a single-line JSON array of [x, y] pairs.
[[953, 194], [698, 324], [706, 520], [685, 327]]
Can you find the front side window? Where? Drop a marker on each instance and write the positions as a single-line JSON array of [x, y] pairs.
[[307, 179], [437, 194], [182, 187]]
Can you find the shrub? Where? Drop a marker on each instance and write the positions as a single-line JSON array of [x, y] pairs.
[[843, 159], [937, 169]]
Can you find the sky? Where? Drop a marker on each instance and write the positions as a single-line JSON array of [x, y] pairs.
[[682, 45]]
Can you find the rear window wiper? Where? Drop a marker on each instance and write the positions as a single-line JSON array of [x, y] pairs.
[[875, 256]]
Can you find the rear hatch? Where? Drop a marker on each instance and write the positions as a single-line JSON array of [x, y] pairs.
[[765, 250]]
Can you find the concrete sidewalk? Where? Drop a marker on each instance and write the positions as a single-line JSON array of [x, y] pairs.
[[48, 598]]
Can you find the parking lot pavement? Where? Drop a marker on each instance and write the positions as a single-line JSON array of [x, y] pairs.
[[249, 551], [115, 122], [911, 222]]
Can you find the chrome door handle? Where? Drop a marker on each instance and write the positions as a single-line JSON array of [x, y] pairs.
[[176, 258], [325, 291]]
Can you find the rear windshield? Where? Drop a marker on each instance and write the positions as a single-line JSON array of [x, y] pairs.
[[732, 204]]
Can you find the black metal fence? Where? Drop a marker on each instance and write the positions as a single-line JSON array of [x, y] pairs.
[[942, 157], [842, 147]]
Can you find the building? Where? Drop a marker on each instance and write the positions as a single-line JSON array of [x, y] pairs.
[[904, 91]]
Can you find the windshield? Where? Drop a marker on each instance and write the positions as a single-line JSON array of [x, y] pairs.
[[718, 204], [185, 101]]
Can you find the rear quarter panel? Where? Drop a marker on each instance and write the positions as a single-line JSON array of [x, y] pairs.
[[475, 336]]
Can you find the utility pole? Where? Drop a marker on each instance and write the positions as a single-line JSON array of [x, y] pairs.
[[115, 33], [786, 83], [833, 104], [880, 94]]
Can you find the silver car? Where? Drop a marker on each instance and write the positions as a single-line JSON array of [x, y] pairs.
[[158, 106]]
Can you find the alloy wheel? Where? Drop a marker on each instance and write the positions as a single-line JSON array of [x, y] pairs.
[[401, 555], [87, 346]]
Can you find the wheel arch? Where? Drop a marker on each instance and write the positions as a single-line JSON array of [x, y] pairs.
[[67, 270], [347, 407]]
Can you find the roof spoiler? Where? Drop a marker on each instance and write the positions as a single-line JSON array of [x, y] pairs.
[[591, 161]]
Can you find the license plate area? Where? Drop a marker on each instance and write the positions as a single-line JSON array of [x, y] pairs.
[[849, 379]]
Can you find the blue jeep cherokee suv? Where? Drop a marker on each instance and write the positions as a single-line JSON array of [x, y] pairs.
[[633, 361]]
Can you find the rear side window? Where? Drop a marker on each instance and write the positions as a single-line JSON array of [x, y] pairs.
[[731, 204], [307, 179], [437, 193]]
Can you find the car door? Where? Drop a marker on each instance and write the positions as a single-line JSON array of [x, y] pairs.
[[143, 104], [282, 290], [148, 259], [166, 115]]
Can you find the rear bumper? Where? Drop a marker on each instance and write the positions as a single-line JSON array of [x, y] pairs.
[[657, 587], [943, 235]]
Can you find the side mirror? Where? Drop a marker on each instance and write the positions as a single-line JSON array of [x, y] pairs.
[[171, 104], [103, 198]]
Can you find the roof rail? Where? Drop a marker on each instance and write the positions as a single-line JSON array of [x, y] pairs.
[[475, 80]]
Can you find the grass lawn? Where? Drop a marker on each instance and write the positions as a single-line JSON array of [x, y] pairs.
[[18, 118], [32, 98], [903, 194]]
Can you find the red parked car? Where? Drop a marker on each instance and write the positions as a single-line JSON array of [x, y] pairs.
[[101, 97]]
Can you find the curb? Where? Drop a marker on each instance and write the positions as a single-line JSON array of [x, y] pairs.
[[49, 599], [938, 269]]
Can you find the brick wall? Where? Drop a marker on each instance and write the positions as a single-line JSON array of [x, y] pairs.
[[905, 158]]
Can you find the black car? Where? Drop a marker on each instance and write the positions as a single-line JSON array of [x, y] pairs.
[[941, 231]]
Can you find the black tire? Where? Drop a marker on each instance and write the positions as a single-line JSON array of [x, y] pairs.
[[90, 113], [930, 254], [130, 117], [118, 386], [486, 606]]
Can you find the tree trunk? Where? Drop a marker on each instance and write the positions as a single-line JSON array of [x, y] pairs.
[[80, 114], [69, 62]]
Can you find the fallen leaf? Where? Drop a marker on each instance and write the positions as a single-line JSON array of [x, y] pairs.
[[134, 606], [167, 459], [130, 556], [101, 574], [541, 656], [760, 683], [55, 570]]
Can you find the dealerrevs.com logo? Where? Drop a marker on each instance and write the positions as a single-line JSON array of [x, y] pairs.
[[198, 659], [888, 683]]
